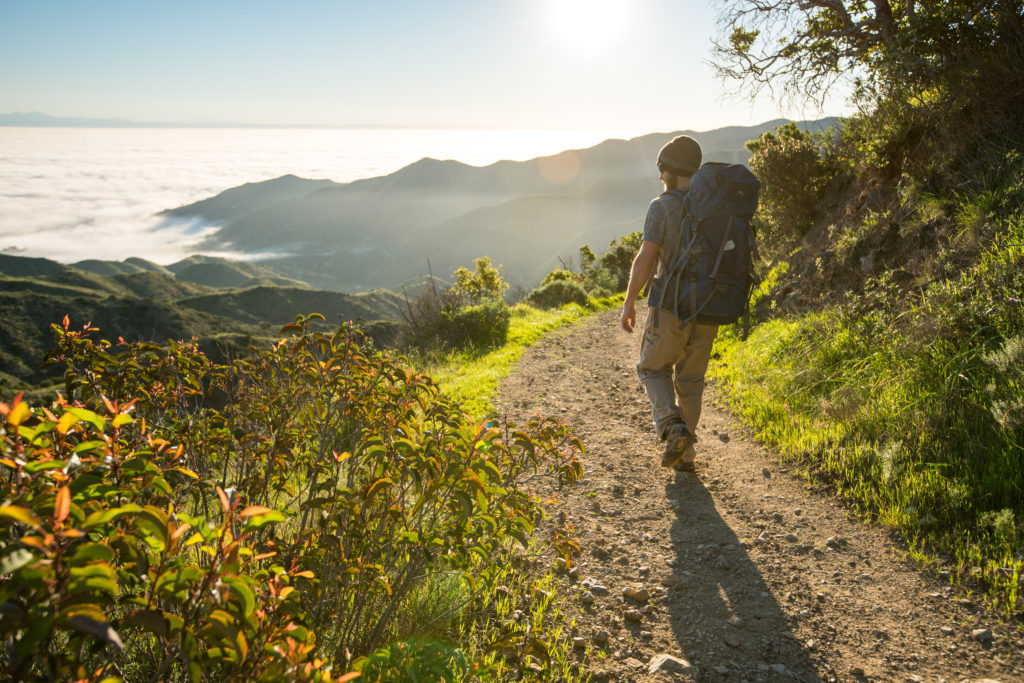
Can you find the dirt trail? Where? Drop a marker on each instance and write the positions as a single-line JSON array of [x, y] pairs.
[[748, 575]]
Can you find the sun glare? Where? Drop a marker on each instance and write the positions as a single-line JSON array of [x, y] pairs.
[[586, 26]]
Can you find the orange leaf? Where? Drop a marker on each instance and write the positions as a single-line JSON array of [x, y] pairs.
[[223, 499], [253, 510], [350, 676], [63, 505], [305, 575], [180, 530]]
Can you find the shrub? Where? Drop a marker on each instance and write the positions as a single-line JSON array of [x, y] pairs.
[[560, 275], [793, 175], [470, 313], [557, 293], [482, 326], [266, 519]]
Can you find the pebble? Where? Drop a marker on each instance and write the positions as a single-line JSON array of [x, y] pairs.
[[633, 615], [594, 587], [856, 671], [792, 538], [669, 664], [646, 635], [670, 580], [983, 636], [601, 637], [798, 511], [880, 634], [946, 630], [587, 598], [735, 621], [579, 643], [641, 595], [633, 663], [574, 573], [762, 539], [731, 640], [767, 473], [833, 542]]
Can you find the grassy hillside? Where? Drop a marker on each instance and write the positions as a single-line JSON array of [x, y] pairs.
[[890, 360]]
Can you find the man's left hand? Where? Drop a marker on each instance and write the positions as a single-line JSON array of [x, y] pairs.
[[628, 319]]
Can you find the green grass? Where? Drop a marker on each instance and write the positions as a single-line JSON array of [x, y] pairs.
[[912, 411], [473, 376]]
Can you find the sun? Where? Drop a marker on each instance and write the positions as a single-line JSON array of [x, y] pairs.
[[586, 26]]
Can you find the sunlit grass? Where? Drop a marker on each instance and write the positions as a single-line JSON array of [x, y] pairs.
[[901, 421], [473, 376]]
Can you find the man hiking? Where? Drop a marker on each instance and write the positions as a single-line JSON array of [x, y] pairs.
[[673, 357]]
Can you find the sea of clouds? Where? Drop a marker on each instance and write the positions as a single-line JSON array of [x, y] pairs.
[[70, 194]]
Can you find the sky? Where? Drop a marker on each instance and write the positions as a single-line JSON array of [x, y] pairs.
[[554, 64]]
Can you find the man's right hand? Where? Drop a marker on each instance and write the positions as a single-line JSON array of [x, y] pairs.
[[628, 319]]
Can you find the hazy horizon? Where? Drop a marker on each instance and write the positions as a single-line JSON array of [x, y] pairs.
[[70, 194]]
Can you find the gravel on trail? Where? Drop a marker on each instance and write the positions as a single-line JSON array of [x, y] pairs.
[[738, 572]]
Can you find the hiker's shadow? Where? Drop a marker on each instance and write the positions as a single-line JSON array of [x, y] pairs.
[[723, 614]]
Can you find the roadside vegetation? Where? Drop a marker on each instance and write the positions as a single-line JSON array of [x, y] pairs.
[[313, 509], [890, 357]]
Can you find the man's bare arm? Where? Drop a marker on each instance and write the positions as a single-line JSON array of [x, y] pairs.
[[643, 267]]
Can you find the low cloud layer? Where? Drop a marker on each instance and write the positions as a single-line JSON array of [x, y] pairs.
[[71, 194]]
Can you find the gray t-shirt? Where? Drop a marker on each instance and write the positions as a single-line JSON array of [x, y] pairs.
[[664, 227]]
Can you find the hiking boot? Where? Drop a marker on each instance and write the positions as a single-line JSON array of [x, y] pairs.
[[678, 440], [687, 462]]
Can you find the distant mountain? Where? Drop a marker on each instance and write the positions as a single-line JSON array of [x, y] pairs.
[[381, 231], [139, 300], [219, 272], [36, 119]]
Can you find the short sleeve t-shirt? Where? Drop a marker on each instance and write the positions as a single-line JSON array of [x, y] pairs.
[[664, 227]]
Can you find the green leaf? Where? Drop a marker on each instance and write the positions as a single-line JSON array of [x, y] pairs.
[[241, 592], [149, 620], [88, 416], [259, 521], [98, 629], [92, 552], [121, 420], [15, 561], [105, 516], [37, 466], [20, 514]]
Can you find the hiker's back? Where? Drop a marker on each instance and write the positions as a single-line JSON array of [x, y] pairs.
[[711, 278]]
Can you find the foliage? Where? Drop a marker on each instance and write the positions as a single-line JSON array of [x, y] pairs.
[[557, 293], [560, 275], [610, 272], [936, 454], [264, 519], [470, 313], [805, 46], [473, 287], [793, 174], [482, 326]]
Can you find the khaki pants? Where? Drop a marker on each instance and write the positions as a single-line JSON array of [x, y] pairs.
[[672, 365]]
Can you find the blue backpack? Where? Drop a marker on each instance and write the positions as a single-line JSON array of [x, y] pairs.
[[712, 278]]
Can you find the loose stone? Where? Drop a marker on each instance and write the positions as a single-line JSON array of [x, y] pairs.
[[670, 664]]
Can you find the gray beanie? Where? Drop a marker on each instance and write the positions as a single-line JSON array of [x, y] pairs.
[[681, 156]]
